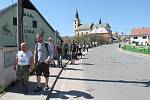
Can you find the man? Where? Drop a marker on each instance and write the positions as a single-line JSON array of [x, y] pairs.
[[42, 57], [73, 50], [65, 49], [52, 48], [59, 53], [24, 62], [87, 47]]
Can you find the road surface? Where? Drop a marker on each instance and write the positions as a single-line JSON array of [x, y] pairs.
[[106, 73]]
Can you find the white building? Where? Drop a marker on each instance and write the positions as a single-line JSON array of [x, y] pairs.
[[140, 36]]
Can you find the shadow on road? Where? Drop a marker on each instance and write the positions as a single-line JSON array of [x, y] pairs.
[[145, 83], [83, 58], [74, 93], [18, 88], [74, 69]]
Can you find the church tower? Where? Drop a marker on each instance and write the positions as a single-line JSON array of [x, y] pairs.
[[76, 21]]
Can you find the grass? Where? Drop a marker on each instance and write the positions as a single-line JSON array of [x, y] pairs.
[[2, 89], [137, 49]]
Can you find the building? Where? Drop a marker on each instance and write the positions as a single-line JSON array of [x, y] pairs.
[[33, 23], [140, 36], [101, 29]]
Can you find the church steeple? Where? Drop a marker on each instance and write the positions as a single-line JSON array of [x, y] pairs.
[[77, 15], [76, 21]]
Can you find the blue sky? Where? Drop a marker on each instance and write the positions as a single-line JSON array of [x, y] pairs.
[[122, 15]]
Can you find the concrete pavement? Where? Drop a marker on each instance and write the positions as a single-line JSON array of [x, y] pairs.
[[15, 92]]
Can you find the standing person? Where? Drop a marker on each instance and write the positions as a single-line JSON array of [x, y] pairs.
[[73, 52], [87, 47], [42, 57], [65, 49], [79, 51], [52, 48], [59, 53], [119, 45], [83, 46], [24, 61]]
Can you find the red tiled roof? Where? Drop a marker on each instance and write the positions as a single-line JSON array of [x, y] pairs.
[[140, 31]]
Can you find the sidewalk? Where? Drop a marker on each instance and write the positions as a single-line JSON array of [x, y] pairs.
[[71, 84], [15, 93], [65, 88]]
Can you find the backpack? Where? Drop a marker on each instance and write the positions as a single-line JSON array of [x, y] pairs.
[[46, 45], [66, 47]]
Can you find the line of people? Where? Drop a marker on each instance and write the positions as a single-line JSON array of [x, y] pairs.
[[45, 54]]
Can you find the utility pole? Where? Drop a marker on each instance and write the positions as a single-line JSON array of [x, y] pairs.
[[19, 22], [56, 32]]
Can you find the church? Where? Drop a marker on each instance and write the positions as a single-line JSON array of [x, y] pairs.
[[99, 29]]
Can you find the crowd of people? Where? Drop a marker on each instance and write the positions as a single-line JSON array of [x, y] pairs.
[[45, 54]]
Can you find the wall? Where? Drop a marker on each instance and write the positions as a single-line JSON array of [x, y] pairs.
[[139, 40], [7, 58]]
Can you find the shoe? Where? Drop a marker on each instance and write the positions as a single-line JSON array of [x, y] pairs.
[[71, 62], [38, 89], [46, 88], [25, 90]]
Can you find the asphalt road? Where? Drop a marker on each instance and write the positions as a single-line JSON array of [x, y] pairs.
[[111, 74], [105, 73]]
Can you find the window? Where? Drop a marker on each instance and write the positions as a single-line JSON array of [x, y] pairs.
[[34, 24], [135, 37], [144, 37], [14, 21]]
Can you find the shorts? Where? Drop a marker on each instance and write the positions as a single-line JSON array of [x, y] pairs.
[[42, 69]]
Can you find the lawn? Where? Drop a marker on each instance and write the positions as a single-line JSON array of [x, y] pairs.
[[138, 49]]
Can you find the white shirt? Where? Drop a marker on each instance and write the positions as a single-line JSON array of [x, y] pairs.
[[24, 57]]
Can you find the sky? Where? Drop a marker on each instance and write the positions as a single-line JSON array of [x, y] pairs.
[[122, 15]]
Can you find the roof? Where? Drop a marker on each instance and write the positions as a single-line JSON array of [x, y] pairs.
[[27, 4], [106, 25], [84, 27], [89, 26], [7, 8], [140, 31]]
